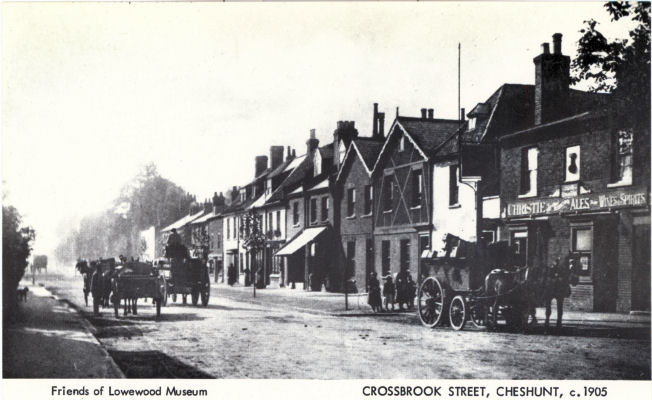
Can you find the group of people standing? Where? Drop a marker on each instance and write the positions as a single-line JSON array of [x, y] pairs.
[[401, 293]]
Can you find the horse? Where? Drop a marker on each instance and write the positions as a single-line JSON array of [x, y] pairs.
[[509, 291], [554, 282]]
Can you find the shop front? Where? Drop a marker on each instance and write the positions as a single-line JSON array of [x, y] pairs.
[[608, 233]]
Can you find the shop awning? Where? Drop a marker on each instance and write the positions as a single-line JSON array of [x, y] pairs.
[[307, 236]]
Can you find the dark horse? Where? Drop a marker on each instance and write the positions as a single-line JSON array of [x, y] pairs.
[[554, 282]]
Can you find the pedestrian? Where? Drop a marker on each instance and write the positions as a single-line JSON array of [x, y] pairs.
[[411, 291], [231, 275], [389, 291], [97, 288], [374, 299], [402, 289]]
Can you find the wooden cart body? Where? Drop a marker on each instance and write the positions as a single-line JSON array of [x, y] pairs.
[[133, 287], [189, 276]]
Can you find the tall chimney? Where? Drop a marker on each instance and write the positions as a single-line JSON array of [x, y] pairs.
[[294, 153], [312, 143], [261, 164], [431, 113], [552, 82], [234, 193], [545, 48], [288, 155], [276, 156], [381, 125], [462, 114], [423, 113], [374, 131], [556, 43]]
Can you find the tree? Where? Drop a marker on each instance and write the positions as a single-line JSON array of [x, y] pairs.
[[254, 241], [16, 248], [620, 67]]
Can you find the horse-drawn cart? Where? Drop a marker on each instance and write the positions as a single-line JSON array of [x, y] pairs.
[[188, 276], [459, 287], [138, 281]]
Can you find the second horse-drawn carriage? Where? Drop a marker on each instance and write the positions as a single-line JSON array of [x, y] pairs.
[[187, 276], [485, 287]]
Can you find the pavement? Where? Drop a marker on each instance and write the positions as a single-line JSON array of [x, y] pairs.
[[55, 341]]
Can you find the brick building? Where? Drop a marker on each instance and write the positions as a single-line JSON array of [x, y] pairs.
[[573, 178]]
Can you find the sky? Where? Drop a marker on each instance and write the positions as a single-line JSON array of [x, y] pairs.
[[93, 91]]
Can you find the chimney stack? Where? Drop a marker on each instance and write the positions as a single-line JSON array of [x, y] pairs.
[[423, 113], [381, 125], [462, 114], [556, 43], [374, 131], [545, 48], [431, 113], [261, 165], [552, 83], [312, 143], [276, 156], [288, 155], [294, 153], [234, 193]]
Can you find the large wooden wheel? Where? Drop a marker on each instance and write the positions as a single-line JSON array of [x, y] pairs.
[[476, 313], [431, 302], [457, 313]]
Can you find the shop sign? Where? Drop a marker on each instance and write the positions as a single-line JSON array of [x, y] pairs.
[[582, 203]]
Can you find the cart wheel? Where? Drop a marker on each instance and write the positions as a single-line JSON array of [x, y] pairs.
[[204, 297], [174, 298], [194, 296], [184, 298], [431, 302], [116, 306], [457, 313], [158, 308]]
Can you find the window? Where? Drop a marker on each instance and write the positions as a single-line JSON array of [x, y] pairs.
[[324, 208], [621, 166], [269, 222], [519, 244], [417, 187], [341, 152], [401, 143], [529, 165], [572, 164], [228, 228], [278, 220], [350, 202], [472, 124], [388, 196], [582, 247], [317, 163], [313, 210], [295, 213], [488, 236], [424, 244], [368, 199], [405, 254], [453, 186], [385, 259]]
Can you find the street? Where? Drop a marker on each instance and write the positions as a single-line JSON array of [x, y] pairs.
[[234, 338]]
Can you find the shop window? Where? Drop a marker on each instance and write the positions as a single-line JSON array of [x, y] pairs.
[[324, 208], [572, 164], [621, 172], [295, 213], [453, 186], [350, 202], [385, 257], [582, 247], [405, 254], [529, 166], [368, 199], [313, 210], [417, 188]]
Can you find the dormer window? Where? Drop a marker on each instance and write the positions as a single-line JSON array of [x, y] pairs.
[[472, 122], [401, 143], [316, 160]]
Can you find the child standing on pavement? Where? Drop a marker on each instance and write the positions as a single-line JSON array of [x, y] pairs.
[[389, 290]]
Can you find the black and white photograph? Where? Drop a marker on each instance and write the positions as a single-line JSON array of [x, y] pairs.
[[327, 191]]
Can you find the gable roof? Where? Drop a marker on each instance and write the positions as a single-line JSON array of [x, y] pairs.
[[183, 221], [366, 149], [427, 135], [301, 165]]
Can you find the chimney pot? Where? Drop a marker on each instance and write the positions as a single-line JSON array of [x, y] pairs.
[[381, 124], [545, 48], [374, 131], [396, 112], [276, 156], [423, 113], [294, 153], [312, 134], [556, 43], [462, 114], [431, 113]]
